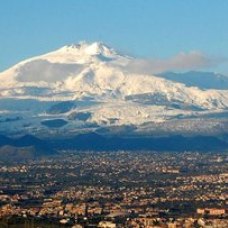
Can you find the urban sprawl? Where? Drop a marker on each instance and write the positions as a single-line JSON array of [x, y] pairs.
[[116, 189]]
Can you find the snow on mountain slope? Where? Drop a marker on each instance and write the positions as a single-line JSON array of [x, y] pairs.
[[98, 70], [97, 75], [58, 65]]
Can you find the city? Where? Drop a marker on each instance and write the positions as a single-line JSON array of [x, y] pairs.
[[116, 189]]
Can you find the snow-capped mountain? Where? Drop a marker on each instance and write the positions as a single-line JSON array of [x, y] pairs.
[[87, 86]]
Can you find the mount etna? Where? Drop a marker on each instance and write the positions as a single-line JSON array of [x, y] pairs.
[[87, 96]]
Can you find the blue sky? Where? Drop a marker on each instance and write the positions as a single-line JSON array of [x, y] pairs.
[[143, 28]]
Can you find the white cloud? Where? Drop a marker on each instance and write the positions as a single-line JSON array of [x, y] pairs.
[[193, 60]]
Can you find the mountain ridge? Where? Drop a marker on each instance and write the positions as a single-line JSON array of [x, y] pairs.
[[202, 80], [96, 142]]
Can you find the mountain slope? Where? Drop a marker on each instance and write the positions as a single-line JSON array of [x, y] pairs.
[[76, 71], [83, 87]]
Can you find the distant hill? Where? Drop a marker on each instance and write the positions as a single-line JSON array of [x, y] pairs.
[[11, 153], [202, 80], [23, 148], [92, 141]]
